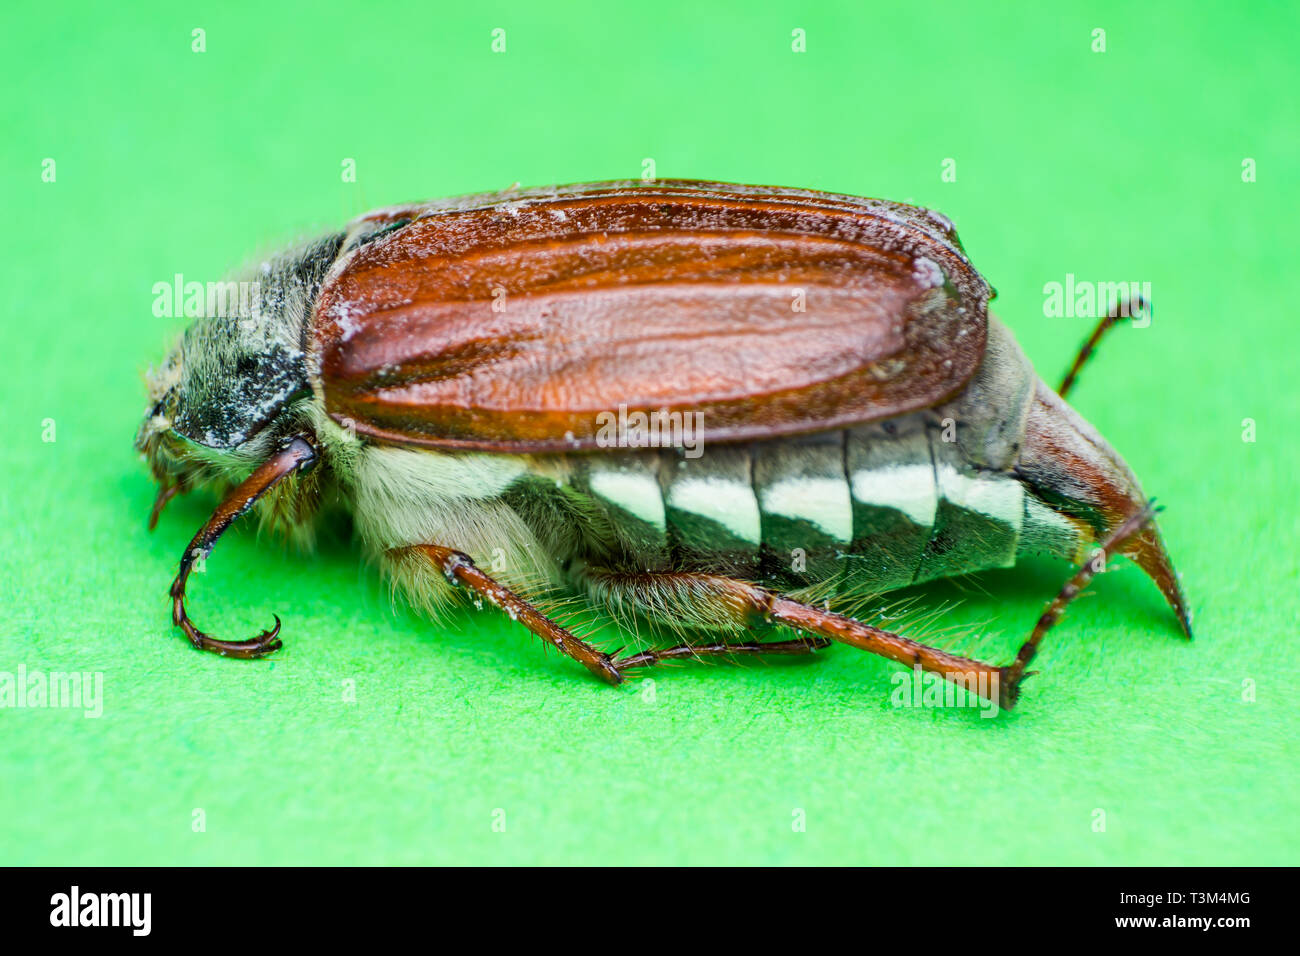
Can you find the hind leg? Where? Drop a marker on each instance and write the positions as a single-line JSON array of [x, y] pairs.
[[727, 601], [719, 603], [1134, 306]]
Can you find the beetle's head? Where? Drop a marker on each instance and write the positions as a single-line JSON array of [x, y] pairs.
[[236, 383], [219, 402]]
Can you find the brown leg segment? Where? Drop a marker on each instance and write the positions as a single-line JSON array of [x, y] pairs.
[[1117, 312], [1127, 532], [166, 493], [296, 454], [460, 569]]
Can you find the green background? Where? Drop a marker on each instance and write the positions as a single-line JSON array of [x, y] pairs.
[[1122, 165]]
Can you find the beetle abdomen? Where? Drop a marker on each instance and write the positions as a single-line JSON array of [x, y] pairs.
[[876, 507], [867, 510]]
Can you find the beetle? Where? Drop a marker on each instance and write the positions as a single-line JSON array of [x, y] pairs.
[[704, 406]]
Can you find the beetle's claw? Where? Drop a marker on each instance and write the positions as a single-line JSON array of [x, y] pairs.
[[607, 669], [267, 642], [1009, 685]]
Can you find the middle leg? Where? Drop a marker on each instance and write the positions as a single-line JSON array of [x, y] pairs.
[[459, 569], [686, 601]]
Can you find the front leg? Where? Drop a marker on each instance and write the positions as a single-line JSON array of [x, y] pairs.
[[296, 454], [460, 569]]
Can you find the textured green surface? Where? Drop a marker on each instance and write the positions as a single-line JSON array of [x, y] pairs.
[[1123, 165]]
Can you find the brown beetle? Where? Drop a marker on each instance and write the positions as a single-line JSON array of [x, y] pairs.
[[700, 405]]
